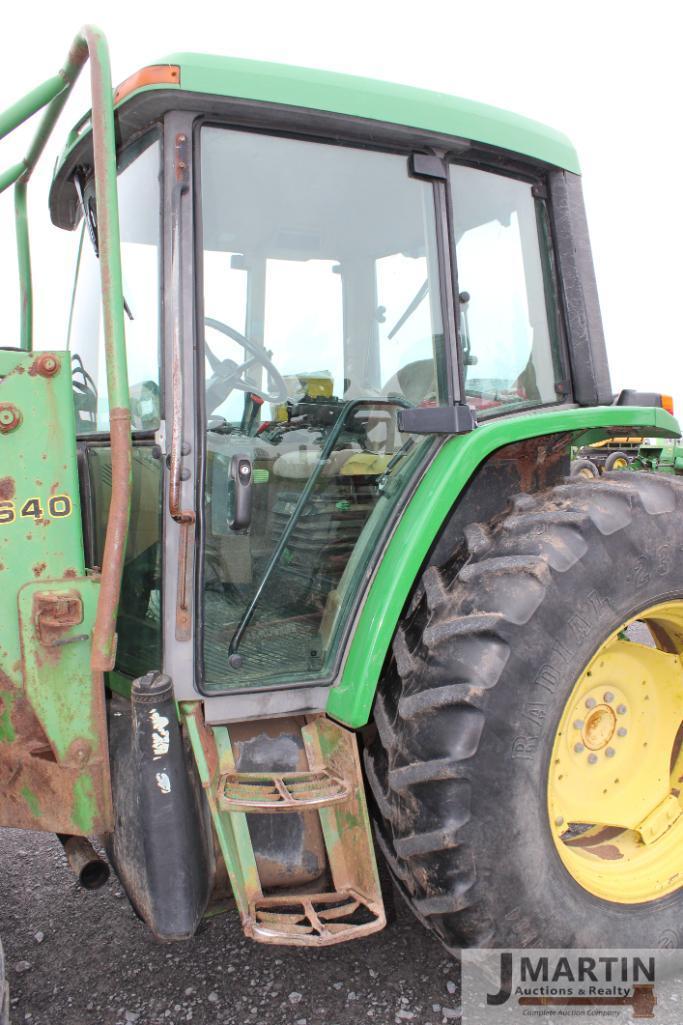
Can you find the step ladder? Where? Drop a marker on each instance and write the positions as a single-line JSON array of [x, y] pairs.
[[333, 787]]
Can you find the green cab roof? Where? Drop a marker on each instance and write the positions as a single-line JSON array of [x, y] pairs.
[[306, 89], [378, 101]]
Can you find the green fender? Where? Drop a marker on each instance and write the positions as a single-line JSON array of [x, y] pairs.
[[350, 700]]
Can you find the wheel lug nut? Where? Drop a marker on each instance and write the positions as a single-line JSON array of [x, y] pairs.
[[608, 696], [622, 731], [621, 709], [578, 724], [590, 702], [592, 759], [578, 748], [610, 752]]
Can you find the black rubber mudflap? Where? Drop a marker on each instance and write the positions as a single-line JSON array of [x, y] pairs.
[[160, 846]]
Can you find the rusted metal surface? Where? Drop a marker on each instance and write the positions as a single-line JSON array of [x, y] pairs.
[[54, 613], [183, 622], [104, 634], [318, 920], [281, 792], [352, 907], [90, 870], [10, 417], [213, 755], [177, 385], [104, 152], [346, 826], [185, 518], [47, 365], [289, 849], [54, 765], [523, 466], [90, 43]]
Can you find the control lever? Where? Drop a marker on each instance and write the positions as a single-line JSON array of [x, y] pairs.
[[241, 479]]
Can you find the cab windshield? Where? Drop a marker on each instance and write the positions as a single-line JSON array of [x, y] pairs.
[[323, 319]]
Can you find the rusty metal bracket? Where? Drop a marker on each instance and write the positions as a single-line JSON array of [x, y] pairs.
[[55, 612]]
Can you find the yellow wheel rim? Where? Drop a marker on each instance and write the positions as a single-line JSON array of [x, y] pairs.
[[620, 464], [615, 780]]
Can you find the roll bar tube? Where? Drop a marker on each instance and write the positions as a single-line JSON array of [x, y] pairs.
[[52, 95]]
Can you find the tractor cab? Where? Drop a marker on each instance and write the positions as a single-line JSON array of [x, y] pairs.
[[293, 486], [317, 302]]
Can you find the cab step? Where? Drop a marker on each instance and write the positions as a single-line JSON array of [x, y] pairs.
[[331, 790], [319, 919], [292, 791]]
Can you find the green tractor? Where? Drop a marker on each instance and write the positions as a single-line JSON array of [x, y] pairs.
[[292, 566]]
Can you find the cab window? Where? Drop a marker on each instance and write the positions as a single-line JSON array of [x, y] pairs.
[[508, 314], [139, 213]]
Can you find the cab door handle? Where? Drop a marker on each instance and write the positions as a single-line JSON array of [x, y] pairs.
[[241, 480]]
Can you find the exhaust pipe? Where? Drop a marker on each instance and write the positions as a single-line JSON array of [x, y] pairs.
[[84, 861]]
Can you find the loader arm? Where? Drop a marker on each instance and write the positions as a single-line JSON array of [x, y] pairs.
[[53, 749]]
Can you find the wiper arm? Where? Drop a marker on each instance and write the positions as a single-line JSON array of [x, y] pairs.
[[235, 660], [421, 293], [89, 212]]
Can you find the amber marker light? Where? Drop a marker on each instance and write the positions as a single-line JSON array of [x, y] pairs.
[[155, 74]]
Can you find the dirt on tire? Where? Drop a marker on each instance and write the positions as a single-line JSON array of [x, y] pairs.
[[483, 662]]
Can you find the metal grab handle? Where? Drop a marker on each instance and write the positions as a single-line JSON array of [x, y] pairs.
[[242, 478], [52, 95], [176, 452]]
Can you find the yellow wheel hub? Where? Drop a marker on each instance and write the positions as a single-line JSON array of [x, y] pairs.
[[616, 769]]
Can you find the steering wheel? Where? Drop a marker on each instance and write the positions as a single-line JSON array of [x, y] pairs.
[[227, 375]]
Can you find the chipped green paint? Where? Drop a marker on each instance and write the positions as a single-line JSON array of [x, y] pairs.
[[231, 827], [59, 688], [85, 809], [41, 553], [32, 801], [7, 731]]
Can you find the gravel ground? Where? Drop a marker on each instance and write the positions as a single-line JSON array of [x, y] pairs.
[[83, 958]]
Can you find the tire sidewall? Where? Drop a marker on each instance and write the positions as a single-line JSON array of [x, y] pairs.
[[539, 898]]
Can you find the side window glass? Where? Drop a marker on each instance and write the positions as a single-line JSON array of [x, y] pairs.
[[139, 212], [507, 313]]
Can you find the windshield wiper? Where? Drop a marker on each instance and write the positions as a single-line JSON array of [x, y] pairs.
[[410, 309], [89, 212], [234, 659]]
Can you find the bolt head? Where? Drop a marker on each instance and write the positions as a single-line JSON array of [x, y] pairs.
[[578, 724], [559, 821], [10, 417], [608, 696], [622, 731], [46, 365], [610, 752], [621, 709], [578, 748], [590, 702], [592, 759]]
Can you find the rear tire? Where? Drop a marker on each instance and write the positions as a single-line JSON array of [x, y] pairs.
[[483, 665]]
